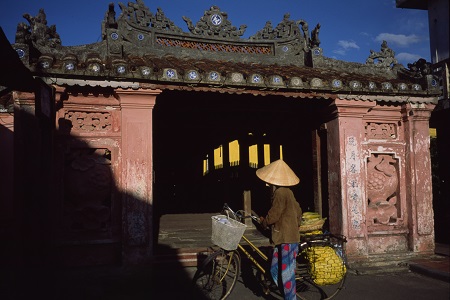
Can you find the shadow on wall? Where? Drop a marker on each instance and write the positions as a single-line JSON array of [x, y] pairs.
[[66, 236], [441, 191]]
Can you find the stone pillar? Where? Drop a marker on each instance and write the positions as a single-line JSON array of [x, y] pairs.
[[346, 172], [247, 204], [32, 180], [418, 177], [317, 174], [137, 174]]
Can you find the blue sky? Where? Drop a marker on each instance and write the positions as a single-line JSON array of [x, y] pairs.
[[349, 29]]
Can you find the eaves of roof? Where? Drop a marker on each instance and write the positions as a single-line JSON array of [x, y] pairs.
[[151, 52], [387, 98]]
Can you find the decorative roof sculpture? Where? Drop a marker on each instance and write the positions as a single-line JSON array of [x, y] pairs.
[[145, 49], [215, 23], [384, 58]]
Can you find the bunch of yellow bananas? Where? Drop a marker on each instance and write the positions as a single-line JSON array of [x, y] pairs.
[[312, 232], [326, 266], [311, 221], [310, 215]]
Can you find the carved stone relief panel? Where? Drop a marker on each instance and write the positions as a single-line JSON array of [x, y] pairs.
[[88, 121], [87, 190], [382, 189], [384, 131]]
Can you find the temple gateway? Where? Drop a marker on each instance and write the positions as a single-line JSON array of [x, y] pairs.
[[152, 120]]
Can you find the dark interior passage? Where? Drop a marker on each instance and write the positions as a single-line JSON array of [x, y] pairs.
[[190, 125]]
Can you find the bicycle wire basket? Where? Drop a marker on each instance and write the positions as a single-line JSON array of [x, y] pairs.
[[226, 232]]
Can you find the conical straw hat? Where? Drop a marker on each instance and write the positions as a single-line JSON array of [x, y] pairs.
[[278, 173]]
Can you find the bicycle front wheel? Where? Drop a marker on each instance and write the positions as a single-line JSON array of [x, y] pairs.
[[217, 275]]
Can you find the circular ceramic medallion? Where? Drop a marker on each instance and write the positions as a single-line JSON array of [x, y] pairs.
[[355, 84], [145, 71], [69, 66], [296, 81], [20, 52], [170, 73], [417, 87], [45, 64], [216, 19], [214, 76], [276, 80], [402, 86], [387, 86], [95, 67], [256, 79], [121, 69], [193, 75], [236, 77], [337, 83], [316, 82]]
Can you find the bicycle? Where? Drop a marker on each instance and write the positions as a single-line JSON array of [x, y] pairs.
[[217, 275]]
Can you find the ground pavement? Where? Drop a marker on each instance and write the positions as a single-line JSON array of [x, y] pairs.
[[171, 281]]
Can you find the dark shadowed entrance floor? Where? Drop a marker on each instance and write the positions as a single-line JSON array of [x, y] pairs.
[[184, 236]]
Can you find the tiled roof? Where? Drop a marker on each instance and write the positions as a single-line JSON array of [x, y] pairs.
[[149, 51]]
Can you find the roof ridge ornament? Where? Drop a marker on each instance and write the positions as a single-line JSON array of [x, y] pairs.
[[139, 15], [289, 29], [215, 23], [384, 58], [37, 32], [419, 69]]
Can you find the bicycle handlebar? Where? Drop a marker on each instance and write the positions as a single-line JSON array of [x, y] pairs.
[[239, 214], [308, 238]]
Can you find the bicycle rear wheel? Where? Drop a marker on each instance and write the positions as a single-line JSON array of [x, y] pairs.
[[217, 275]]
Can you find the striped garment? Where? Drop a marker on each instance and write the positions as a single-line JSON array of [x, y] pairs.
[[285, 268]]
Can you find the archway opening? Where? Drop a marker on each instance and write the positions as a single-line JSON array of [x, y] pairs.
[[207, 147]]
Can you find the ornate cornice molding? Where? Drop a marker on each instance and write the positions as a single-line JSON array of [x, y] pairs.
[[137, 99]]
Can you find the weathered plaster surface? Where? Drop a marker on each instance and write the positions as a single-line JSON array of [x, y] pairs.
[[137, 173], [383, 170]]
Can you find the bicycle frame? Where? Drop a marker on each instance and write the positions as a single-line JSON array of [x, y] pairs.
[[255, 248], [250, 256]]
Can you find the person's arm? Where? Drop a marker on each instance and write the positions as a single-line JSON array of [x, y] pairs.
[[299, 214], [275, 211]]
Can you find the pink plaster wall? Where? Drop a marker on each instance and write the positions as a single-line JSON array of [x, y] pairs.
[[87, 207], [120, 123], [372, 146], [137, 173], [359, 133], [418, 173]]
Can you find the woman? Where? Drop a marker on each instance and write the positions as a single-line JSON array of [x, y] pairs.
[[284, 218]]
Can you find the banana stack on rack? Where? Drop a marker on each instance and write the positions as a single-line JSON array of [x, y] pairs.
[[325, 265], [311, 223]]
